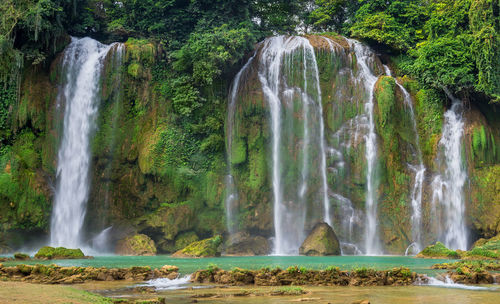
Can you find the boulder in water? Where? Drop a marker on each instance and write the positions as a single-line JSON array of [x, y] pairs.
[[244, 244], [49, 253], [438, 251], [321, 241], [201, 249], [139, 244], [19, 256]]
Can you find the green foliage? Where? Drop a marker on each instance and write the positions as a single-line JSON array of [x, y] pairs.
[[296, 269], [23, 204], [393, 23], [332, 269], [445, 62], [363, 271]]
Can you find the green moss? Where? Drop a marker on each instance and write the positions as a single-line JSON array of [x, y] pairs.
[[135, 70], [238, 151], [289, 291], [485, 199], [205, 248], [438, 250], [48, 252], [482, 252], [385, 95], [429, 111], [140, 50]]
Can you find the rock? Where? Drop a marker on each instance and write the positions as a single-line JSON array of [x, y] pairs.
[[167, 271], [21, 256], [205, 248], [167, 222], [184, 239], [485, 249], [438, 251], [49, 253], [361, 302], [139, 244], [321, 241], [243, 244]]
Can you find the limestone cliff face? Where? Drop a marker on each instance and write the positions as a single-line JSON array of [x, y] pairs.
[[150, 176]]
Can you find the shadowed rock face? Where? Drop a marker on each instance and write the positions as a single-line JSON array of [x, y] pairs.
[[139, 244], [243, 244], [321, 241]]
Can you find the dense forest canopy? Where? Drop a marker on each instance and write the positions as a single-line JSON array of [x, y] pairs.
[[450, 44]]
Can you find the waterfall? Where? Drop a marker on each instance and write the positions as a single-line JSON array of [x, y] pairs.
[[83, 61], [372, 240], [276, 75], [418, 180], [448, 185], [231, 191]]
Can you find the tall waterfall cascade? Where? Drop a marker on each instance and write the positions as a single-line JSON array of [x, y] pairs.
[[276, 61], [303, 159], [372, 238], [448, 186], [302, 142], [80, 94]]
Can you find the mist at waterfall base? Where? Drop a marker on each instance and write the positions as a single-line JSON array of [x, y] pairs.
[[79, 96], [287, 70]]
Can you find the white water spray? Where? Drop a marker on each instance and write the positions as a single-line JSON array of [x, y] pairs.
[[448, 186], [275, 52], [83, 61]]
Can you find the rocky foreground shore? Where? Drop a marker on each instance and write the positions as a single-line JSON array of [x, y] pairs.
[[53, 274], [300, 276], [295, 276]]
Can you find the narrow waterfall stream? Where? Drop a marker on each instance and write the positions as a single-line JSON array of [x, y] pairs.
[[231, 190], [448, 186], [83, 61], [418, 180], [372, 239]]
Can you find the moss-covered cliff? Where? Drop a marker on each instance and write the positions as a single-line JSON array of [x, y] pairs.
[[159, 173]]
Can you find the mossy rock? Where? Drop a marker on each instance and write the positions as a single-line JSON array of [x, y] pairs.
[[21, 256], [485, 249], [185, 239], [135, 70], [438, 251], [321, 241], [49, 253], [201, 249], [139, 244]]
